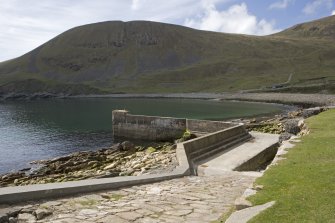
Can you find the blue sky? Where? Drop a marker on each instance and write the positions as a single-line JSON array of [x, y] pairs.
[[26, 24]]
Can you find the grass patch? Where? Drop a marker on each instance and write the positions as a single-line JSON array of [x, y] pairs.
[[303, 185], [151, 150], [113, 197], [225, 216], [83, 202]]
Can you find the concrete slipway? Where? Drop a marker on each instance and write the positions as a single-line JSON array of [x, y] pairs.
[[248, 156], [245, 156]]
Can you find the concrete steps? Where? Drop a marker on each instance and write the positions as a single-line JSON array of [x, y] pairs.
[[247, 156]]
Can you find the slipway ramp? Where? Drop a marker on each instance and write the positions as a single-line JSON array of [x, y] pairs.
[[252, 155]]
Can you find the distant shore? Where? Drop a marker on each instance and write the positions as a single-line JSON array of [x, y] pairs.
[[304, 100]]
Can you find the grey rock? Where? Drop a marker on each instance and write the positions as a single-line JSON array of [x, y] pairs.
[[285, 136], [3, 218], [42, 213], [292, 126], [126, 146], [311, 111], [26, 218], [8, 212], [12, 220]]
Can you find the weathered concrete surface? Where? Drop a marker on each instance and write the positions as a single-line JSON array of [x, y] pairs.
[[189, 199], [205, 126], [160, 128], [247, 156], [211, 144], [16, 194], [243, 216], [147, 127]]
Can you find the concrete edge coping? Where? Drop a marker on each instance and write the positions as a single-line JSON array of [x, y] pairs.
[[15, 194], [214, 133], [244, 215], [148, 116]]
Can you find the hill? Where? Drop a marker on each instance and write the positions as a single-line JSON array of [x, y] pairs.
[[150, 57]]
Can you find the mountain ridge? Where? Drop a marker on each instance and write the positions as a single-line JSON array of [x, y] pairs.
[[151, 57]]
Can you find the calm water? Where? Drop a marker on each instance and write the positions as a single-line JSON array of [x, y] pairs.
[[33, 130]]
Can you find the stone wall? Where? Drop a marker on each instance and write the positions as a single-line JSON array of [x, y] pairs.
[[147, 127], [156, 128], [214, 143], [206, 126]]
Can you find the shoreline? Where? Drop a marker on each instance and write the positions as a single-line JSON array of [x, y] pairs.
[[121, 159], [303, 100]]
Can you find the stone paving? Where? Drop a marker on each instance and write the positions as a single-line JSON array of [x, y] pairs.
[[189, 199]]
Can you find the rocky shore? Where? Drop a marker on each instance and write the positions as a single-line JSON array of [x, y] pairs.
[[123, 159], [286, 125]]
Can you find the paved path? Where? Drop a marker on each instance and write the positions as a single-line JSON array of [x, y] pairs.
[[190, 199]]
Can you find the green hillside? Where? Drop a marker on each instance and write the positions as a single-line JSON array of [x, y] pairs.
[[152, 57]]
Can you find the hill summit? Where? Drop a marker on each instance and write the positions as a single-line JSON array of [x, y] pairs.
[[142, 56]]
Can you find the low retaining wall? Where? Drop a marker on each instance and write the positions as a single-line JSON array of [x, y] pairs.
[[13, 195], [205, 126], [211, 144], [147, 127]]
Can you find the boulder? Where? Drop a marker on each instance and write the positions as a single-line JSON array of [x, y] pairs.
[[311, 111], [25, 217], [292, 126], [41, 213], [285, 136], [12, 220], [3, 218], [113, 165], [126, 146]]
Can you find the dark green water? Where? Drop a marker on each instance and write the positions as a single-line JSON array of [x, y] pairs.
[[33, 130]]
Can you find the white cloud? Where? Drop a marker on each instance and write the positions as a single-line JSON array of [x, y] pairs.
[[136, 4], [333, 12], [281, 4], [313, 6], [235, 19]]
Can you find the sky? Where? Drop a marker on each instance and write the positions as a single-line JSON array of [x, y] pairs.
[[26, 24]]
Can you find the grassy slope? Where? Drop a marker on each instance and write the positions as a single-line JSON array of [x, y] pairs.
[[155, 57], [303, 185]]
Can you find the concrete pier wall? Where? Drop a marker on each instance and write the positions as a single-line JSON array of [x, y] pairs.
[[155, 128], [206, 126], [147, 127]]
